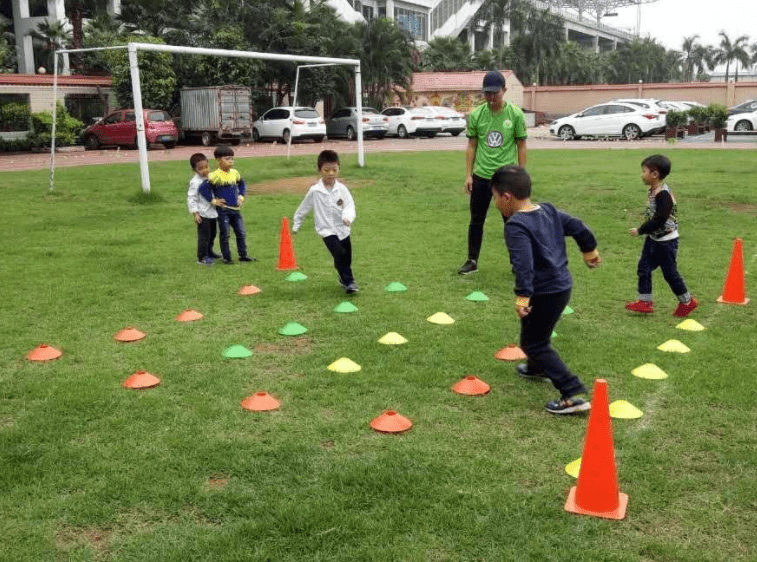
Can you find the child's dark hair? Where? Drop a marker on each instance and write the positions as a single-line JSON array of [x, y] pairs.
[[512, 179], [658, 163], [196, 158], [327, 157], [223, 150]]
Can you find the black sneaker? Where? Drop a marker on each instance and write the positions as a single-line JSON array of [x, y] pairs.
[[523, 372], [469, 266], [214, 255], [228, 261], [572, 405], [351, 288], [247, 258]]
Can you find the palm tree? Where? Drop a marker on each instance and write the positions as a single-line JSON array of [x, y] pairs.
[[51, 37], [689, 52], [445, 54], [731, 51]]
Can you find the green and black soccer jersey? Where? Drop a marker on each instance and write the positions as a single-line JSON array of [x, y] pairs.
[[496, 135]]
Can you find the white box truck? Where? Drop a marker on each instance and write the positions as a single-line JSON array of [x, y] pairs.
[[214, 113]]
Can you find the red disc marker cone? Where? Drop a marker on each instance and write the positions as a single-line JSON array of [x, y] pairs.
[[189, 316], [734, 291], [391, 422], [247, 290], [286, 250], [510, 353], [597, 490], [141, 379], [129, 334], [471, 386], [260, 402], [44, 352]]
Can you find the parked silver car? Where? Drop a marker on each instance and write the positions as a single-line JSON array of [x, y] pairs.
[[344, 123]]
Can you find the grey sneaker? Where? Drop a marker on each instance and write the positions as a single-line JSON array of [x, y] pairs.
[[523, 372], [470, 266], [351, 289], [572, 405], [205, 261]]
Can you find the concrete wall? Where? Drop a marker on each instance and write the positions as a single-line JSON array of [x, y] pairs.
[[558, 101]]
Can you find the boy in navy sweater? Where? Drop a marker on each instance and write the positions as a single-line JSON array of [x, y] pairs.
[[535, 238], [225, 189]]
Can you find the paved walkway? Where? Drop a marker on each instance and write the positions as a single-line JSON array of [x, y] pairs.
[[538, 139]]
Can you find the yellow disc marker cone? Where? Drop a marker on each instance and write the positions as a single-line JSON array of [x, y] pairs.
[[673, 346], [344, 365], [624, 410], [649, 371], [392, 338], [440, 318], [690, 325], [573, 468]]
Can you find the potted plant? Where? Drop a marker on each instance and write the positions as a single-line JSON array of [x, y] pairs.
[[674, 124], [698, 117], [718, 117]]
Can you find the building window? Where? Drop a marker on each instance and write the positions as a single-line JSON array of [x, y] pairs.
[[15, 113], [414, 22], [368, 12], [86, 107]]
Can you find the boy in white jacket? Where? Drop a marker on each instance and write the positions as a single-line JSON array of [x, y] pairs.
[[204, 213], [334, 212]]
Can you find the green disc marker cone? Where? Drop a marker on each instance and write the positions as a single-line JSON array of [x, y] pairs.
[[395, 287], [292, 329], [296, 276], [568, 310], [477, 296], [345, 306], [236, 352]]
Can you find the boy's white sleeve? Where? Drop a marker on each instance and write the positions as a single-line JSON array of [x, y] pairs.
[[348, 211], [192, 196], [305, 207]]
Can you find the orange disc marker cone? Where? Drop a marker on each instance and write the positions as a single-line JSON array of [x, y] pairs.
[[141, 379], [44, 352], [247, 290], [260, 402], [286, 250], [189, 316], [129, 335], [471, 386], [510, 353], [597, 490], [391, 422], [734, 291]]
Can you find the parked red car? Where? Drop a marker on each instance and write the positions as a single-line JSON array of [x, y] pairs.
[[120, 127]]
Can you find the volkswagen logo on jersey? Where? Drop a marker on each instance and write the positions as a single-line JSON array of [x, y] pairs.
[[494, 139]]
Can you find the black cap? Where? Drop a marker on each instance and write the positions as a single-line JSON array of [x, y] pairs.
[[493, 82]]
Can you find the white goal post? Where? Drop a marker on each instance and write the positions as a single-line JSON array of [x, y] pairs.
[[137, 91]]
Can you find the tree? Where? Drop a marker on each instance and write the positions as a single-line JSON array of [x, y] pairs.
[[689, 51], [732, 51], [445, 54], [50, 37], [386, 59], [7, 46], [537, 42]]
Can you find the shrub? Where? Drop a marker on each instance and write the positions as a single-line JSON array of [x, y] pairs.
[[67, 128], [676, 118], [717, 115], [14, 117]]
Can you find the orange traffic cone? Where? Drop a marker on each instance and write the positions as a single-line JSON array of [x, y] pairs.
[[260, 402], [734, 291], [141, 379], [43, 352], [597, 490], [471, 386], [391, 422], [510, 353], [286, 250]]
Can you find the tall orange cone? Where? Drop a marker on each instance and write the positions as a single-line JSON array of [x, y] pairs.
[[286, 250], [734, 291], [597, 490]]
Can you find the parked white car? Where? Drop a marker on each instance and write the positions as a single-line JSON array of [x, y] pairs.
[[407, 121], [650, 105], [279, 123], [452, 122], [742, 122], [613, 119]]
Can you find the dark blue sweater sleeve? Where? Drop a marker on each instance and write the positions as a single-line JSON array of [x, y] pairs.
[[206, 190], [242, 187], [519, 246], [576, 229]]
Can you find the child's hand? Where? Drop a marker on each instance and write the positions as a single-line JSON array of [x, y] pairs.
[[592, 259], [634, 232], [198, 218], [346, 222], [240, 200], [522, 306], [220, 202]]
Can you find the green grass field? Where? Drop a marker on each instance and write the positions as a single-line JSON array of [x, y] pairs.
[[92, 471]]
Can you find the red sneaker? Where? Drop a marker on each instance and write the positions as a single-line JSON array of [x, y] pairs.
[[641, 306], [684, 309]]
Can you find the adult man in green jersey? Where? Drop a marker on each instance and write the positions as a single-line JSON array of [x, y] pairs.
[[496, 137]]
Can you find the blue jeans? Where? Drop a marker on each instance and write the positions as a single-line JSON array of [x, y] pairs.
[[231, 218], [662, 255]]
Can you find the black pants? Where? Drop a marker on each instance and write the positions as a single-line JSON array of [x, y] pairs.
[[206, 237], [341, 250], [480, 199], [662, 255], [535, 341]]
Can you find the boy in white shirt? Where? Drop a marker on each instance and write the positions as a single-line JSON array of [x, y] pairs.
[[204, 213], [334, 213]]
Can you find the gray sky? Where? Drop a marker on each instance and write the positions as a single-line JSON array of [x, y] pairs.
[[669, 21]]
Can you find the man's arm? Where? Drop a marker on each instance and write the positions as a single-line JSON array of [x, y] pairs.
[[470, 158], [522, 152]]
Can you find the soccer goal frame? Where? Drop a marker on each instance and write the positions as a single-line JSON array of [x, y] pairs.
[[133, 49]]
